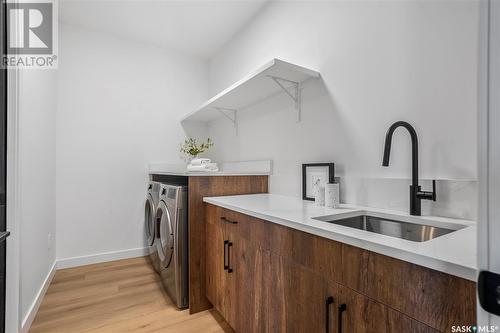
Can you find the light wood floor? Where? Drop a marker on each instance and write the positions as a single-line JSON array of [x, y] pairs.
[[119, 296]]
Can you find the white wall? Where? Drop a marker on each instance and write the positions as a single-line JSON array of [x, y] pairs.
[[37, 217], [119, 106], [380, 61]]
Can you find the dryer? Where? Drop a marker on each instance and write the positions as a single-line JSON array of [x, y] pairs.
[[172, 242], [151, 223]]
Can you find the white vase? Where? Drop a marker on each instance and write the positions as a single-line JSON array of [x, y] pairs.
[[332, 195]]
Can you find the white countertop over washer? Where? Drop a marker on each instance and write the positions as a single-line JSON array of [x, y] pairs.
[[206, 174], [243, 168], [454, 253]]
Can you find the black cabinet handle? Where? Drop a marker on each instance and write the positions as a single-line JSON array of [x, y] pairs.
[[226, 266], [341, 308], [229, 266], [225, 219], [329, 301]]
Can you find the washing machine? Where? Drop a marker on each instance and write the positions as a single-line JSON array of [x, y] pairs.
[[151, 223], [172, 242]]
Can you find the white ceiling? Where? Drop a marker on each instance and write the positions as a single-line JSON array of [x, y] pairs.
[[198, 27]]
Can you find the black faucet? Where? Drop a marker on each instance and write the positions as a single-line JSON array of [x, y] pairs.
[[415, 193]]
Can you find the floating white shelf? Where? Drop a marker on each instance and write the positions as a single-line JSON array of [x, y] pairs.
[[274, 77]]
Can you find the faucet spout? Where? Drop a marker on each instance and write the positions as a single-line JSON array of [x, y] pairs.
[[416, 195], [414, 148]]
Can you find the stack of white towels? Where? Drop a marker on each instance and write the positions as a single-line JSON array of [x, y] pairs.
[[202, 165]]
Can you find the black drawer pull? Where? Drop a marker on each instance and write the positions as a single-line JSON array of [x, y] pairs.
[[226, 266], [229, 266], [341, 308], [225, 219], [329, 301]]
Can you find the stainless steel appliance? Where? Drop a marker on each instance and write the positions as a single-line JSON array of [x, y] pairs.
[[172, 242], [150, 222]]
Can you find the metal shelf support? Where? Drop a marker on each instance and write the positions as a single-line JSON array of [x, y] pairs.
[[231, 114], [293, 92]]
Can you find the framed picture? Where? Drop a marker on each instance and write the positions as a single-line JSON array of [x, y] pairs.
[[316, 174]]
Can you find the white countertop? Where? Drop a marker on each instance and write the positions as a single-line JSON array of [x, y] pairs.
[[454, 253], [242, 168], [205, 174]]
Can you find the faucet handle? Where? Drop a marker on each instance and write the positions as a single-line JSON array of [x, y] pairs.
[[433, 190], [428, 195]]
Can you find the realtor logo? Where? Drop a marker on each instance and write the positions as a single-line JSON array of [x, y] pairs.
[[34, 22], [31, 35]]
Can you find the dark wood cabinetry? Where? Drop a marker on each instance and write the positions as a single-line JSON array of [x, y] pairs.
[[206, 186], [399, 323], [361, 314], [263, 277], [215, 261], [246, 291], [235, 274], [437, 299], [300, 300]]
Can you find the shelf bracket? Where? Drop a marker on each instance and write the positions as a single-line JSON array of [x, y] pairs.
[[293, 92], [231, 114]]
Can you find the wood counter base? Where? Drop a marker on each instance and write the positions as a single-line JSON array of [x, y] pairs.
[[263, 277]]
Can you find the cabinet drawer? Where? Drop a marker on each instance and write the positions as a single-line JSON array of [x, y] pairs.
[[397, 323], [354, 267], [249, 228], [437, 299], [317, 253]]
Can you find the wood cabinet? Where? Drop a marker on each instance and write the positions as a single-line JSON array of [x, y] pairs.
[[235, 274], [359, 314], [247, 297], [437, 299], [198, 188], [300, 300], [263, 277], [215, 261], [397, 323]]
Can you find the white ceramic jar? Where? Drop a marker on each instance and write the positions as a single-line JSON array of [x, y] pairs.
[[332, 195]]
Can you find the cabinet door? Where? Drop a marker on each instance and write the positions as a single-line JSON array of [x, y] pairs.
[[214, 259], [398, 322], [299, 299], [437, 299], [246, 297], [361, 314]]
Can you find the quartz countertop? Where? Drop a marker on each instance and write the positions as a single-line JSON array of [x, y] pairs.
[[243, 168], [206, 173], [454, 253]]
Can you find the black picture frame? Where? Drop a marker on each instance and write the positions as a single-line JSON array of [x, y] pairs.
[[331, 176]]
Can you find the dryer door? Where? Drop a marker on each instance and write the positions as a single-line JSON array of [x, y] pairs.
[[149, 219], [165, 246]]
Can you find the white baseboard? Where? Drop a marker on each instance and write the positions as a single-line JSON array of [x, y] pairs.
[[74, 262], [101, 257], [30, 316]]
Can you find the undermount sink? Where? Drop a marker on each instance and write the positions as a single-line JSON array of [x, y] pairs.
[[404, 230]]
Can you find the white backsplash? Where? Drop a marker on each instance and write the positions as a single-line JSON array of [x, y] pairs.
[[455, 198]]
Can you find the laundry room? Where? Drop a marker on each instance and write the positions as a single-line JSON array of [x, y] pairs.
[[249, 166]]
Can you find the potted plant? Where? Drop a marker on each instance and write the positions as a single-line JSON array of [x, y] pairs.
[[192, 148]]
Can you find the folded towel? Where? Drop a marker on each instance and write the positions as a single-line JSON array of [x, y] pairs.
[[210, 167], [200, 161]]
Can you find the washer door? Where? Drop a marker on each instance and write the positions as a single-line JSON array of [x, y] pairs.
[[149, 219], [165, 246]]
